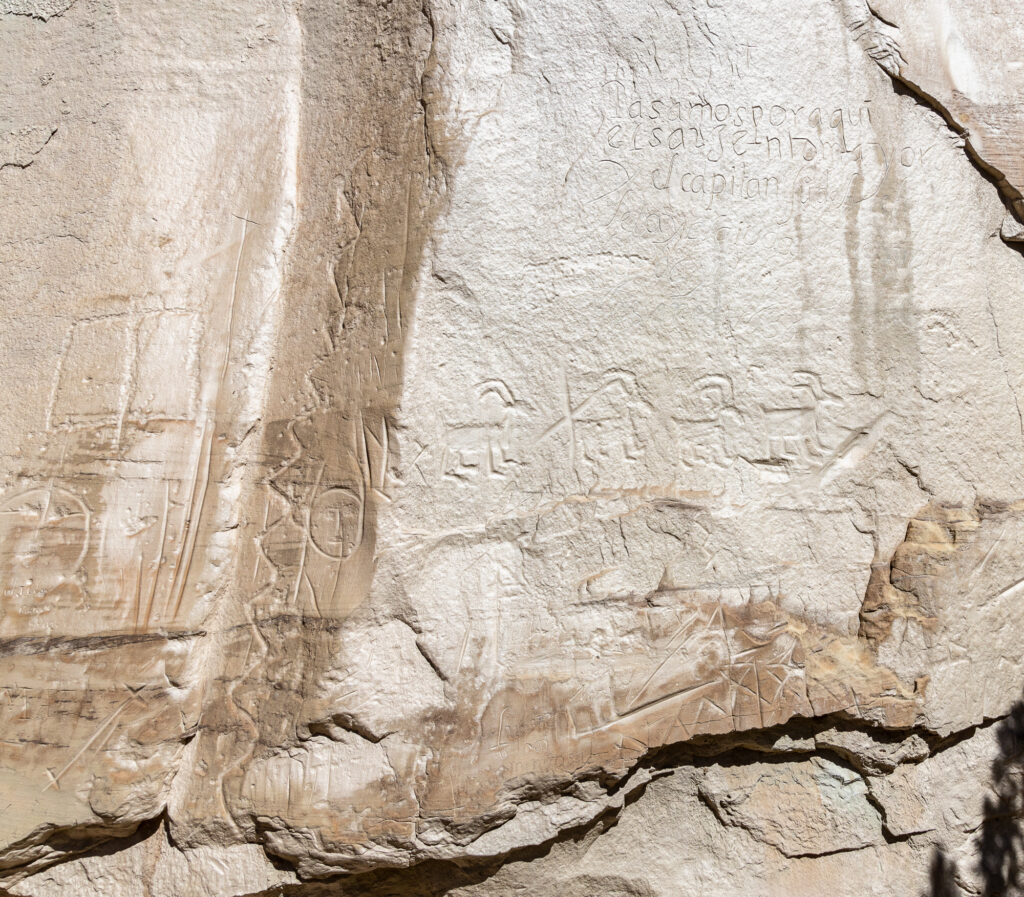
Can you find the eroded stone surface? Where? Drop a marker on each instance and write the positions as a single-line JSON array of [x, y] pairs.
[[801, 809], [435, 421]]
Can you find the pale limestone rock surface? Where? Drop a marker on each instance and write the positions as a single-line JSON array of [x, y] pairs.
[[801, 809], [480, 447]]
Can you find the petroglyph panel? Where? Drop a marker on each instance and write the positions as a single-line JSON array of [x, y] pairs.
[[426, 421]]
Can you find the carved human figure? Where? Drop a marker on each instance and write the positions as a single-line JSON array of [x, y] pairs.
[[483, 445], [709, 435]]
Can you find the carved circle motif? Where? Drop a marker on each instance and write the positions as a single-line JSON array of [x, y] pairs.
[[44, 535]]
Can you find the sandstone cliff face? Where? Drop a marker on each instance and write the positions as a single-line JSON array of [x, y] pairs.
[[482, 447]]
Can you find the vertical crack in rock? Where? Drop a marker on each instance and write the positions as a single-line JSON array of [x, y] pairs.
[[880, 40]]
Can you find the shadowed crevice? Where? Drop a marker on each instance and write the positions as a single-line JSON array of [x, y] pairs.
[[885, 53]]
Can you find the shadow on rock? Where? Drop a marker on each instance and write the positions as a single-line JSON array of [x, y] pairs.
[[1001, 848], [1001, 836], [940, 878]]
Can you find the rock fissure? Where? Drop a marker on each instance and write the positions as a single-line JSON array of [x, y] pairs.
[[884, 49]]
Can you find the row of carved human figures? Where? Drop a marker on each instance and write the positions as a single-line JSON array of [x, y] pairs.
[[613, 422]]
